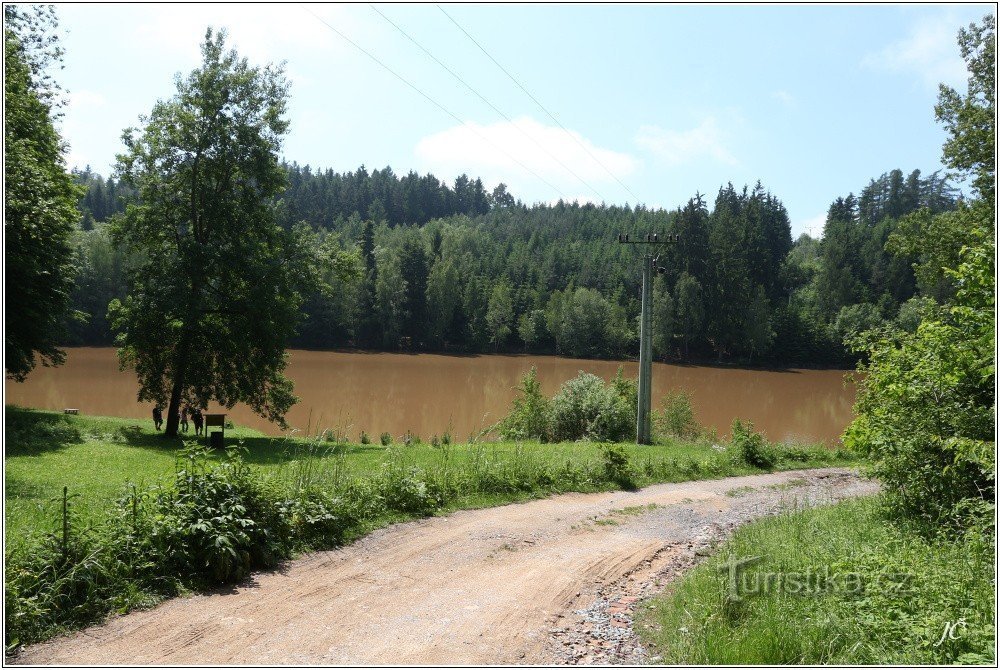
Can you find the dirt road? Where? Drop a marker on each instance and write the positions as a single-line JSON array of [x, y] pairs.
[[548, 581]]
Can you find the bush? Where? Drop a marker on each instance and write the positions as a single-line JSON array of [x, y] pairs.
[[587, 408], [364, 439], [676, 416], [926, 408], [752, 448], [616, 466], [385, 439], [529, 414], [407, 492]]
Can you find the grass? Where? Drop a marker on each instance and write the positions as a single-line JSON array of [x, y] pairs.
[[95, 457], [839, 585], [151, 517]]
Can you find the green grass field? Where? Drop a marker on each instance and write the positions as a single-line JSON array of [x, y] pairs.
[[96, 457], [840, 585], [150, 517]]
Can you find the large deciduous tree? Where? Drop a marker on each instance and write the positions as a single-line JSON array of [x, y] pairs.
[[218, 292], [971, 119], [927, 404], [39, 196]]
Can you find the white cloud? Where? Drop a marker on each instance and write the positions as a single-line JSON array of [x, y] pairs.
[[785, 97], [261, 32], [494, 151], [676, 147], [930, 51]]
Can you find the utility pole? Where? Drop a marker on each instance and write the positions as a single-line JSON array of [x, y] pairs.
[[643, 434]]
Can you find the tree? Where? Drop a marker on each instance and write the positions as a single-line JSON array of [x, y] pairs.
[[367, 331], [390, 296], [39, 200], [443, 301], [585, 316], [663, 315], [500, 314], [689, 310], [926, 409], [218, 291], [414, 270], [759, 334], [531, 328], [971, 119]]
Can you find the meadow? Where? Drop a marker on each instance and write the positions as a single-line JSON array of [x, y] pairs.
[[98, 458], [106, 514], [849, 584]]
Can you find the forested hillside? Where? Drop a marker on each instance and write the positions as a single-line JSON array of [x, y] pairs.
[[457, 268]]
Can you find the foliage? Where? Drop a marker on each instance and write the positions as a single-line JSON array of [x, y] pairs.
[[544, 278], [852, 588], [529, 415], [218, 291], [199, 519], [39, 196], [854, 319], [926, 408], [587, 408], [971, 119], [617, 467], [676, 416], [751, 447], [926, 403]]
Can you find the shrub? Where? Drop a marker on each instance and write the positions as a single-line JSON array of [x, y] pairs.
[[587, 408], [529, 414], [364, 439], [926, 408], [406, 491], [676, 416], [318, 519], [752, 448], [385, 439], [616, 466]]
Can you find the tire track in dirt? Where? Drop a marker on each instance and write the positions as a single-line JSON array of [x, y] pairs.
[[491, 586]]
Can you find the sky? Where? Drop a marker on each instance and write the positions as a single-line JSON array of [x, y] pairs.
[[621, 104]]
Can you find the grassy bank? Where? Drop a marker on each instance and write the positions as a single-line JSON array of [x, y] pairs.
[[837, 585], [95, 457], [147, 520]]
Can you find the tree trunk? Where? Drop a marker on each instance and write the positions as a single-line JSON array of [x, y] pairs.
[[180, 372]]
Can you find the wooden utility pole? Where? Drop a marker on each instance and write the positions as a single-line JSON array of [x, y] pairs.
[[643, 433]]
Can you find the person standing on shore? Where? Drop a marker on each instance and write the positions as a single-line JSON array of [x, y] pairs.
[[198, 421]]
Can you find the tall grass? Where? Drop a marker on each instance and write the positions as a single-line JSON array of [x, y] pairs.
[[845, 584]]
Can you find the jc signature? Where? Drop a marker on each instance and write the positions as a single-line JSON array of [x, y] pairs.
[[950, 631]]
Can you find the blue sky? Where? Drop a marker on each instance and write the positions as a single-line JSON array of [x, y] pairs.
[[813, 101]]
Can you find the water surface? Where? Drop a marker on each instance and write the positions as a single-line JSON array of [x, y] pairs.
[[430, 393]]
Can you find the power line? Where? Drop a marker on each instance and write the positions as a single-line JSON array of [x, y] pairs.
[[540, 105], [490, 104], [434, 102]]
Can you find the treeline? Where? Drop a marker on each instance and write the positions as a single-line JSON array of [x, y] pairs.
[[442, 268]]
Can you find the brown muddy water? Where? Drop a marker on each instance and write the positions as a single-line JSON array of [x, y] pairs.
[[429, 394]]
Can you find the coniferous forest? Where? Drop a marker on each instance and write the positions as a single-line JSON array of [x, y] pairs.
[[429, 266]]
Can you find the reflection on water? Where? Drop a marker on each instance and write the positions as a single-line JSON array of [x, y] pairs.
[[428, 393]]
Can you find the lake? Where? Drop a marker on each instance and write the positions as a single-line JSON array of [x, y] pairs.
[[430, 393]]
